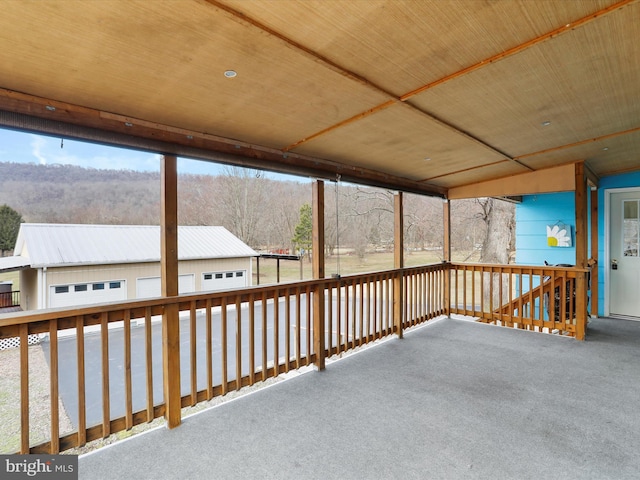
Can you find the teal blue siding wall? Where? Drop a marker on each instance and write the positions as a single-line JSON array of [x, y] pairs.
[[537, 211], [532, 217]]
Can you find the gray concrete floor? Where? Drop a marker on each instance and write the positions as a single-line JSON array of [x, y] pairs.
[[451, 400]]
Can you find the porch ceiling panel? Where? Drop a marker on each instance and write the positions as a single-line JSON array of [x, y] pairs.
[[399, 139], [585, 83], [402, 46], [605, 156], [167, 65], [371, 87]]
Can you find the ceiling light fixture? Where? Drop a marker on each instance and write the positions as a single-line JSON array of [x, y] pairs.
[[605, 149], [128, 124], [426, 159], [51, 108], [546, 124], [230, 73]]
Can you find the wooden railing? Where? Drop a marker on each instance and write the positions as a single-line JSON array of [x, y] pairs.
[[546, 299], [111, 354], [10, 299]]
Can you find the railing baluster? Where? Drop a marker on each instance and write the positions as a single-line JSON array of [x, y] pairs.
[[298, 338], [252, 340], [223, 337], [238, 343], [53, 368], [309, 302], [361, 314], [193, 352], [329, 314], [106, 410], [287, 332], [264, 335], [127, 370], [82, 411], [276, 333], [354, 316], [24, 388], [148, 349], [339, 317]]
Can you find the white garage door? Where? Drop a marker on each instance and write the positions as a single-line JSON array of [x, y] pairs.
[[224, 280], [87, 293], [150, 287]]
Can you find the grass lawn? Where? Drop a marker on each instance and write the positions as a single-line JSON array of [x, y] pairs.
[[349, 264]]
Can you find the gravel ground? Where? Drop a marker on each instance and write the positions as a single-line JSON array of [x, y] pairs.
[[39, 400]]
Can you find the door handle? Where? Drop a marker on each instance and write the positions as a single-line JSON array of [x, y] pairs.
[[614, 264]]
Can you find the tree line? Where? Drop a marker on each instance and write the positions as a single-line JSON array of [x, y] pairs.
[[262, 211]]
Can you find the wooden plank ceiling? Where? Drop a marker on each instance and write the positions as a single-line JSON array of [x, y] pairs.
[[419, 95]]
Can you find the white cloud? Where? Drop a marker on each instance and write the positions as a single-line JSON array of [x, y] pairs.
[[37, 145]]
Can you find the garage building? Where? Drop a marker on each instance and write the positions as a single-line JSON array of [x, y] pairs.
[[66, 265]]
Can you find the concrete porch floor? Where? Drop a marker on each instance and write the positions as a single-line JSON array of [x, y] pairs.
[[451, 400]]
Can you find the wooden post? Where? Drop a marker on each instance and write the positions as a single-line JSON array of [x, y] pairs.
[[594, 253], [581, 250], [318, 272], [398, 263], [446, 254], [169, 283]]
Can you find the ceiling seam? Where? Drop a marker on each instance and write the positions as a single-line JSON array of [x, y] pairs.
[[403, 98]]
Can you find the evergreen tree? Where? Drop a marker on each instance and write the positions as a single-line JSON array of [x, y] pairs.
[[10, 221], [303, 234]]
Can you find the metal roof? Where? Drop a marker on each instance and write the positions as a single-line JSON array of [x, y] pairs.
[[62, 244], [8, 264]]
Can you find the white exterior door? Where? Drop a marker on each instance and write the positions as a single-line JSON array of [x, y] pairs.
[[624, 254], [150, 287]]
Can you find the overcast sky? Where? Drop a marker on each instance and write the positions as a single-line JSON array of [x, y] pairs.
[[38, 149]]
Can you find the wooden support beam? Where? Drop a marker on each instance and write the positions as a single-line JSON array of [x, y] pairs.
[[446, 253], [169, 288], [317, 251], [548, 180], [398, 262], [593, 261], [582, 232], [582, 229]]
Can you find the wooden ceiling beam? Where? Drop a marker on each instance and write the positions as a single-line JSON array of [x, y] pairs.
[[66, 120], [548, 180]]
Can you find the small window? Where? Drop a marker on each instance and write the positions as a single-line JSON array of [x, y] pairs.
[[80, 288], [239, 274], [218, 275], [229, 274], [114, 284], [98, 286], [208, 276], [64, 289]]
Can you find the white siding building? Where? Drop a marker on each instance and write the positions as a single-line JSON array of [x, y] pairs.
[[67, 265]]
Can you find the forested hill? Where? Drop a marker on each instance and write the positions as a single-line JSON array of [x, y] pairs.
[[262, 211]]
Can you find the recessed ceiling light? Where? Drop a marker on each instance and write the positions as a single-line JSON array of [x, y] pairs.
[[190, 137], [51, 108], [546, 124], [605, 149], [230, 73], [426, 159], [128, 124]]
